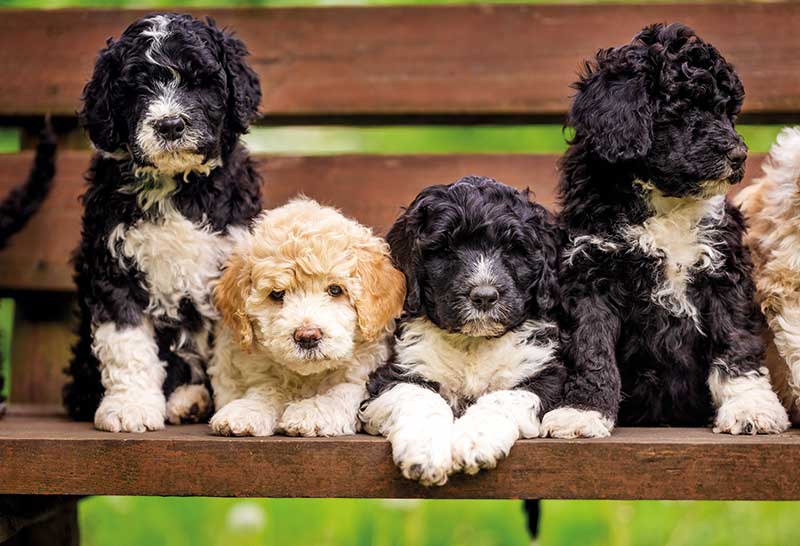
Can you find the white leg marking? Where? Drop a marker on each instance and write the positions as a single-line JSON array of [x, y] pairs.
[[188, 403], [334, 413], [419, 425], [132, 375], [746, 404], [485, 434], [576, 423]]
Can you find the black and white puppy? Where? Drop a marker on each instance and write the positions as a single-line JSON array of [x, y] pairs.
[[165, 108], [476, 360], [660, 323]]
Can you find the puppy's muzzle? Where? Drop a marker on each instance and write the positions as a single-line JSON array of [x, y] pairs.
[[307, 337], [484, 297], [171, 128], [737, 156]]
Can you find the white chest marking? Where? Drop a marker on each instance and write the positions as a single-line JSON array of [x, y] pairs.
[[468, 367], [682, 235], [179, 259]]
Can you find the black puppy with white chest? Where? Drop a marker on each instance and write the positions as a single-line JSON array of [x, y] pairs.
[[660, 324], [476, 361], [170, 183]]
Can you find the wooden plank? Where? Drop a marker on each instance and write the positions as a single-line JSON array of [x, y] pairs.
[[44, 330], [54, 456], [514, 62], [371, 189]]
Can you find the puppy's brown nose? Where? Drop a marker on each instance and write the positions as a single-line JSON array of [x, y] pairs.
[[307, 337]]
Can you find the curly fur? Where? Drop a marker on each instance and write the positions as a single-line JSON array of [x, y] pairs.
[[772, 207], [303, 266], [658, 295], [468, 379], [159, 213]]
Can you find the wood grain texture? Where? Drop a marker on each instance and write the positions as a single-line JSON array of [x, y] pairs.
[[371, 189], [410, 60], [54, 456]]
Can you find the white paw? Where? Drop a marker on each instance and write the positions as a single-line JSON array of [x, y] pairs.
[[424, 454], [243, 418], [576, 423], [752, 415], [131, 412], [188, 404], [309, 418], [480, 445]]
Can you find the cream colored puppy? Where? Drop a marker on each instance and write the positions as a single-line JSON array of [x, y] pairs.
[[308, 301], [772, 207]]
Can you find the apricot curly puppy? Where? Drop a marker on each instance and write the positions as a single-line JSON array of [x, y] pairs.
[[308, 301], [772, 205]]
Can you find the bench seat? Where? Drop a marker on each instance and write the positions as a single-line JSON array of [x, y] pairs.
[[44, 453]]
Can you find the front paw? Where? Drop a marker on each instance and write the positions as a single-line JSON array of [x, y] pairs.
[[752, 415], [243, 418], [131, 412], [188, 404], [477, 447], [307, 418], [576, 423], [424, 455]]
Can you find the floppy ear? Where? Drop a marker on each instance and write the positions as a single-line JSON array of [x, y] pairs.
[[229, 296], [383, 289], [244, 89], [547, 237], [402, 238], [97, 115], [612, 110]]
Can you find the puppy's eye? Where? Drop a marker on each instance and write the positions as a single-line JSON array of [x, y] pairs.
[[335, 290], [277, 295]]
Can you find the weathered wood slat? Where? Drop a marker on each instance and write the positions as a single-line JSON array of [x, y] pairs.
[[371, 189], [509, 61], [53, 456]]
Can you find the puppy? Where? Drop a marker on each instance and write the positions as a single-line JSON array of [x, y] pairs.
[[165, 108], [660, 326], [476, 360], [308, 302], [770, 205]]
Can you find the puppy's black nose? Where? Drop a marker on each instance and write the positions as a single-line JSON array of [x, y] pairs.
[[737, 156], [307, 337], [170, 128], [483, 297]]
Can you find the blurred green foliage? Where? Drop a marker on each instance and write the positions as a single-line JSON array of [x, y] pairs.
[[282, 522], [221, 522]]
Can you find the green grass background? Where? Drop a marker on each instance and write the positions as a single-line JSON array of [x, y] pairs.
[[124, 521]]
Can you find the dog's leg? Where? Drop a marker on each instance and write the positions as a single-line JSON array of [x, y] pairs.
[[255, 414], [739, 384], [132, 375], [419, 424], [487, 431], [592, 390], [786, 379], [333, 413]]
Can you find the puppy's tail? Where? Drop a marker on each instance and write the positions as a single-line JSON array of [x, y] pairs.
[[532, 510], [18, 207]]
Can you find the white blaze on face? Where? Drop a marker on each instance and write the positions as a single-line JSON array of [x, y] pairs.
[[168, 157], [480, 323]]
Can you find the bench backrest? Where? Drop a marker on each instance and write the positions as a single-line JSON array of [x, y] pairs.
[[460, 65]]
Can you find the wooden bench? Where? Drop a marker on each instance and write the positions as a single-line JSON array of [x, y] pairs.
[[357, 67]]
